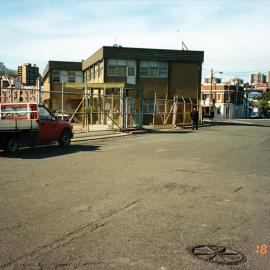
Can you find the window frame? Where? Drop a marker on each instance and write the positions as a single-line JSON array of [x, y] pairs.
[[54, 76], [160, 67]]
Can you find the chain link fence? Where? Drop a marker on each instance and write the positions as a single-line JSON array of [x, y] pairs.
[[90, 109]]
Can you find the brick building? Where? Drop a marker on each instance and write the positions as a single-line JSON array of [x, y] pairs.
[[224, 101], [135, 77], [56, 73], [165, 73]]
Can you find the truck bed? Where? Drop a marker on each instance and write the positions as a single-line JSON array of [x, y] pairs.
[[18, 125]]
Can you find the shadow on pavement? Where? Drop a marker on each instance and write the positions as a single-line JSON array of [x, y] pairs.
[[169, 131], [216, 123], [48, 151]]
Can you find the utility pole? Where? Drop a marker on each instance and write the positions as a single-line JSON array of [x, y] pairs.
[[211, 94], [211, 90], [211, 87]]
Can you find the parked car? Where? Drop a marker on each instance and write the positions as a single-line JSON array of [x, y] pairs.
[[62, 115], [254, 115], [26, 124]]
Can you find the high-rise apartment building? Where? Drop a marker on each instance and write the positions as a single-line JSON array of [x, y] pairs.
[[257, 78], [28, 74]]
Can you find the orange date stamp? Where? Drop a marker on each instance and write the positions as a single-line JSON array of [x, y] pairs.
[[262, 249]]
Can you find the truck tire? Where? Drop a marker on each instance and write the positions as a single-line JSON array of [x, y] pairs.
[[65, 139], [12, 145]]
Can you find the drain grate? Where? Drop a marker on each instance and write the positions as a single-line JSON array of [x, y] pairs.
[[217, 254]]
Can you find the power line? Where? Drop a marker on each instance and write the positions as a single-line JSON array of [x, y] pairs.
[[248, 71]]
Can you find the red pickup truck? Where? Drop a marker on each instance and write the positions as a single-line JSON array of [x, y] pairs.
[[28, 124]]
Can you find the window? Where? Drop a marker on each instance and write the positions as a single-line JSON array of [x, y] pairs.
[[153, 72], [43, 114], [163, 72], [131, 71], [56, 76], [154, 69], [96, 71], [79, 76], [71, 76], [121, 68], [219, 97], [112, 71], [144, 72], [92, 73], [87, 77], [227, 97], [218, 110], [101, 68], [121, 71]]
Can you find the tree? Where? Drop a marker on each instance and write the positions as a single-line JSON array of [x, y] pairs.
[[264, 102], [9, 73], [264, 96]]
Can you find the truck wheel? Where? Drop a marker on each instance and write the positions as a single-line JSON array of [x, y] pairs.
[[65, 139], [12, 145]]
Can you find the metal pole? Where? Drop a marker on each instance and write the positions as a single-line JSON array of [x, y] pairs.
[[175, 105], [38, 92], [87, 109], [184, 112], [91, 105], [122, 109], [62, 111], [211, 94], [154, 115], [140, 109], [112, 110], [165, 109]]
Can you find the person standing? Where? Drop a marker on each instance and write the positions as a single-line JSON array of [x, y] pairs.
[[195, 118]]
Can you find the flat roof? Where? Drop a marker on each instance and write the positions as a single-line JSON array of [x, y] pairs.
[[129, 53], [62, 65]]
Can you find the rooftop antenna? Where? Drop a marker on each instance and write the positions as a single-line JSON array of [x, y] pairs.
[[115, 37], [184, 46], [177, 43]]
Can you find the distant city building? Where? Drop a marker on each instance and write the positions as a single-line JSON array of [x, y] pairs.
[[28, 74], [257, 78], [236, 80], [258, 81], [215, 80]]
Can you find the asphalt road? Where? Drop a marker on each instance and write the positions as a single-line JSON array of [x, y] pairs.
[[138, 202]]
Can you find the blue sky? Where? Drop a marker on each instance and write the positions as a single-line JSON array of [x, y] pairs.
[[233, 34]]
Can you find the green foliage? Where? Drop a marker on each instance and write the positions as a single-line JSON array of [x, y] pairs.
[[9, 73], [264, 102], [265, 96]]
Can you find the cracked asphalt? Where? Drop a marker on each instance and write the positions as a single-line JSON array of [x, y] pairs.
[[138, 202]]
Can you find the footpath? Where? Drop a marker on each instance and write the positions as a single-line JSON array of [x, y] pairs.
[[102, 134], [108, 134]]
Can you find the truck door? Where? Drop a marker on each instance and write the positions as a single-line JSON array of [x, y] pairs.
[[48, 128]]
